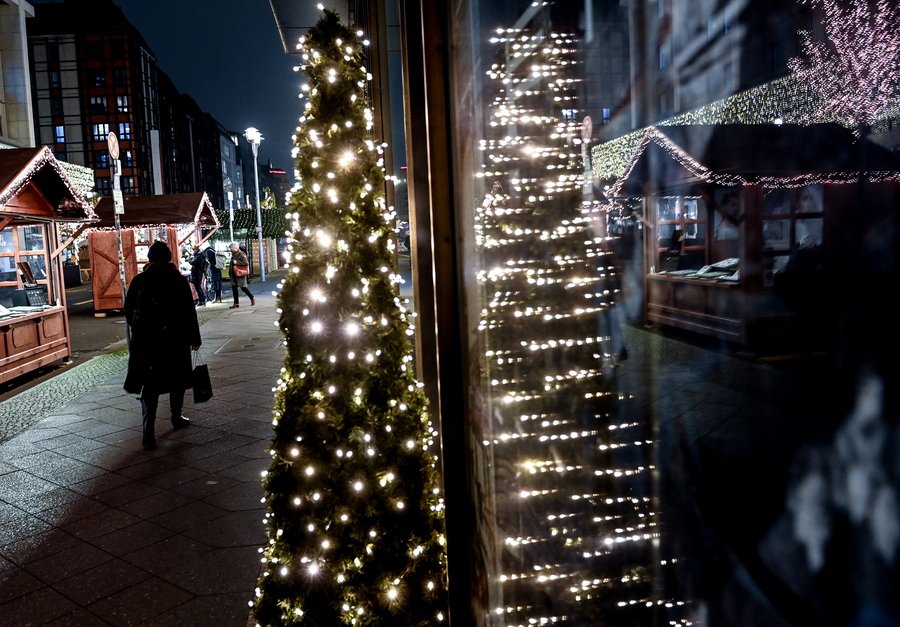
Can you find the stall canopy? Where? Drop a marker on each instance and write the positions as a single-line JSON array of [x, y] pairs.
[[181, 216], [673, 158], [34, 187], [160, 211]]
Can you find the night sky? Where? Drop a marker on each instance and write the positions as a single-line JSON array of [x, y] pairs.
[[228, 56]]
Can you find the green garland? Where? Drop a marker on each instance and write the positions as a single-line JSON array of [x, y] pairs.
[[275, 224]]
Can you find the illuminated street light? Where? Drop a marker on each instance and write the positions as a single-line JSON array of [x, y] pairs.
[[255, 137]]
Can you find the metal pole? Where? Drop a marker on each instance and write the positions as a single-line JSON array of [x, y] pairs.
[[231, 216], [119, 207], [259, 233]]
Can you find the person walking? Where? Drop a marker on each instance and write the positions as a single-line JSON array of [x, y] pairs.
[[214, 284], [239, 258], [199, 265], [160, 313]]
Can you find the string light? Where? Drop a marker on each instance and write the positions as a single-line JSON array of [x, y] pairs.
[[856, 71], [554, 431]]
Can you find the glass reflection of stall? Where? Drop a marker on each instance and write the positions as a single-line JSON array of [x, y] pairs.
[[792, 219], [681, 241]]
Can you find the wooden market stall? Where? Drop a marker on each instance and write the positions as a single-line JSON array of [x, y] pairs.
[[35, 196], [748, 224], [172, 218]]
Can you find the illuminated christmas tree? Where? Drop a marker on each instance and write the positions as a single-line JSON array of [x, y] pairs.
[[856, 68], [355, 514], [573, 510]]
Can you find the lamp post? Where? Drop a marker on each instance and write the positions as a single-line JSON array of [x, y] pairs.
[[255, 137], [231, 216]]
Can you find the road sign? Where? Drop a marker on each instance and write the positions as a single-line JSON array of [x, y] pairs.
[[587, 129], [118, 202], [113, 142]]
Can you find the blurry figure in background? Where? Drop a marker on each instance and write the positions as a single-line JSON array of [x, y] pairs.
[[214, 275], [239, 258], [810, 200], [164, 329], [199, 266], [809, 229], [728, 215]]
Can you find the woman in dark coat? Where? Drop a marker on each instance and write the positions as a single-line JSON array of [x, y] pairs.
[[159, 308], [239, 258]]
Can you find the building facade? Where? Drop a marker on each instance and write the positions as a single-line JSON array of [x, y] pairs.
[[16, 129], [93, 73]]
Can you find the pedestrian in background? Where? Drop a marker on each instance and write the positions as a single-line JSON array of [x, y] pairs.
[[199, 265], [160, 312], [239, 258], [214, 282]]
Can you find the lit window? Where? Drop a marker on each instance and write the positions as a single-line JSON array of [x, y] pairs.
[[122, 104], [99, 132], [124, 130], [59, 134]]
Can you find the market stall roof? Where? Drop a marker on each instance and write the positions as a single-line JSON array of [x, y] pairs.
[[676, 158], [34, 187], [159, 211]]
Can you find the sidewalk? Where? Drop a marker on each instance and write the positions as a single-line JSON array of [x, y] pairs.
[[96, 531]]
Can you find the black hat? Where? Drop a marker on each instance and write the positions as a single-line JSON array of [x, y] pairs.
[[159, 251]]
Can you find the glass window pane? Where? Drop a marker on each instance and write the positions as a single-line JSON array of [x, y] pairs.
[[666, 409], [38, 266], [7, 245], [31, 237], [8, 269]]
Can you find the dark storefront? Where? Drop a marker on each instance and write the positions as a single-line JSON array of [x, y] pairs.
[[654, 246], [662, 367]]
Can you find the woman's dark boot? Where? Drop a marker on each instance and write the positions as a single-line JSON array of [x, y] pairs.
[[149, 439], [148, 411]]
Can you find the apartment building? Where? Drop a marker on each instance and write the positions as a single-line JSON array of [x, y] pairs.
[[93, 73]]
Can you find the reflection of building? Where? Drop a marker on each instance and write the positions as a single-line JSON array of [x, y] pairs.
[[689, 54]]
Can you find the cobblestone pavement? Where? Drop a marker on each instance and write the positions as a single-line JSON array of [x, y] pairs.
[[96, 531], [28, 407]]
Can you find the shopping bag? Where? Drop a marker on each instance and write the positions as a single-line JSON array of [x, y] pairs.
[[241, 270], [201, 383]]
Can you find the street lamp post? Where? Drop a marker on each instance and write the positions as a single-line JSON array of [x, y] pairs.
[[255, 137], [231, 216]]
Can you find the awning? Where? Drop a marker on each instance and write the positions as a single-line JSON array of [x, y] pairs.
[[34, 187], [159, 211], [673, 159]]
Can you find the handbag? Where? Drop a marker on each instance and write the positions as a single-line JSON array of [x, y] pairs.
[[201, 382], [241, 270]]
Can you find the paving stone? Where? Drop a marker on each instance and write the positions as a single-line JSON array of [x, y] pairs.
[[139, 603], [101, 581], [36, 608]]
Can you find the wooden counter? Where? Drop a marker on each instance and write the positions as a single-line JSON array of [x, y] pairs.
[[705, 306], [32, 340]]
